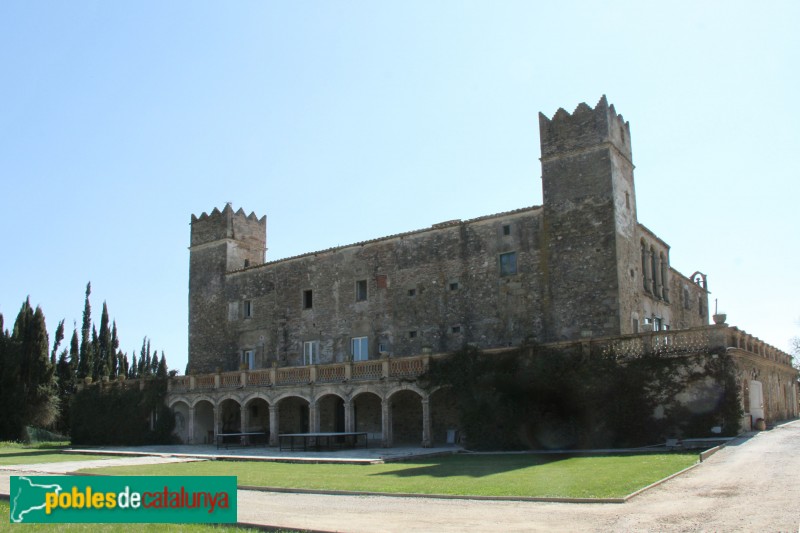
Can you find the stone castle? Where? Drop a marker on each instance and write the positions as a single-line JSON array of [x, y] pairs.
[[333, 339]]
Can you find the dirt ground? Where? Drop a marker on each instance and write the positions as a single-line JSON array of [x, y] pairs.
[[751, 485]]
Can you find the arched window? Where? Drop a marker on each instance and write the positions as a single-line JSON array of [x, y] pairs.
[[645, 280], [654, 271], [664, 281]]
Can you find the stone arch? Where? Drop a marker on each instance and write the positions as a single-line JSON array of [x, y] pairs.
[[288, 394], [175, 399], [229, 410], [406, 416], [330, 413], [256, 408], [406, 387], [367, 412], [328, 392], [203, 398], [203, 426], [293, 413], [180, 408], [257, 396]]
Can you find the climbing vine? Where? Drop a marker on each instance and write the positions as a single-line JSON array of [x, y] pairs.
[[538, 398]]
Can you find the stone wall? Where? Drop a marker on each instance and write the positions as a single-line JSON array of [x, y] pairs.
[[567, 270]]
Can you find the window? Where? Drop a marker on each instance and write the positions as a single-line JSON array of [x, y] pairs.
[[664, 281], [310, 352], [508, 264], [454, 286], [308, 299], [361, 290], [412, 334], [645, 279], [506, 229], [455, 329], [412, 292], [248, 359], [359, 346], [381, 281], [247, 309]]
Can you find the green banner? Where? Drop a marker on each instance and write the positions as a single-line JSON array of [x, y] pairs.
[[144, 499]]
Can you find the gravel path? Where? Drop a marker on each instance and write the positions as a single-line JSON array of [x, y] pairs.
[[751, 485]]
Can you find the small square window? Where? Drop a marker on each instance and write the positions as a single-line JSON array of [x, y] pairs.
[[308, 299], [412, 334], [381, 281], [361, 290], [455, 329], [454, 286], [506, 229], [412, 292], [508, 264]]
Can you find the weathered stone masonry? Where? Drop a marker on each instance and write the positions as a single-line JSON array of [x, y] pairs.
[[578, 267]]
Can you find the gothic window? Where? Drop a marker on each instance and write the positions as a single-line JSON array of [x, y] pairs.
[[654, 271], [361, 290], [664, 284], [687, 303], [645, 278], [508, 264], [310, 352], [359, 347]]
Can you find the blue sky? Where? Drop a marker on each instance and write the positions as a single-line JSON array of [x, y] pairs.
[[344, 121]]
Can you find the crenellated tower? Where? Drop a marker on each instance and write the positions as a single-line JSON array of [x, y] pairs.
[[589, 224], [221, 242]]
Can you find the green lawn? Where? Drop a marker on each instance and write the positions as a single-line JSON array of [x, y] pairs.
[[12, 453], [108, 528], [606, 476]]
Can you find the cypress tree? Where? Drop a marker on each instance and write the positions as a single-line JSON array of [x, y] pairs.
[[29, 393], [86, 364], [115, 354], [104, 351], [74, 354], [57, 341], [162, 366], [133, 373]]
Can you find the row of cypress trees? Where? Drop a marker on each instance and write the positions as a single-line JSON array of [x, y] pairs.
[[37, 382]]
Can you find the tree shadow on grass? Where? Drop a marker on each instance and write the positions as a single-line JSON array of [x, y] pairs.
[[473, 465]]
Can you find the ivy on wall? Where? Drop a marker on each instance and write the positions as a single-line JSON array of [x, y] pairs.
[[113, 415], [535, 398]]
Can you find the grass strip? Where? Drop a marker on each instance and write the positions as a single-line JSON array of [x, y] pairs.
[[557, 476], [14, 453]]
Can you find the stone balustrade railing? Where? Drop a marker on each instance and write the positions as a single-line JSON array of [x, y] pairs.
[[374, 370], [658, 343]]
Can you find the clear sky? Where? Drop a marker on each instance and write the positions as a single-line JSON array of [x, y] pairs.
[[344, 121]]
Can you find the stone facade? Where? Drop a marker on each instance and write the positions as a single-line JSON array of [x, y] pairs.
[[579, 266]]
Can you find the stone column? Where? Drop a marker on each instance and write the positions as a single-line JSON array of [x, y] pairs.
[[242, 419], [386, 422], [274, 424], [190, 439], [217, 416], [426, 423], [313, 417], [349, 423]]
